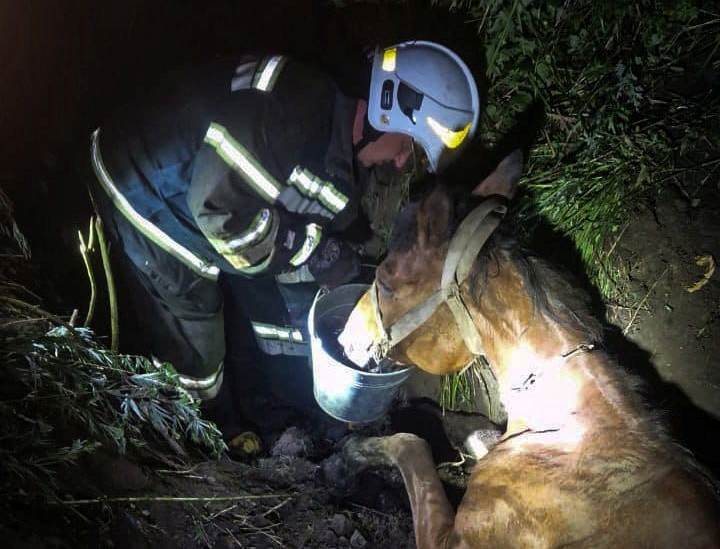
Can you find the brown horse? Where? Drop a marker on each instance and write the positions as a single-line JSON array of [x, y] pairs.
[[582, 463]]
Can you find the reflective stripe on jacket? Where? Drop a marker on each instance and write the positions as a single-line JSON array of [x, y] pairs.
[[239, 167], [243, 167]]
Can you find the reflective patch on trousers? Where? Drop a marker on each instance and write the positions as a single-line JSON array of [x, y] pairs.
[[203, 388], [277, 347]]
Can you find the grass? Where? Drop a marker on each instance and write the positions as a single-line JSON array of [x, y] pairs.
[[615, 81], [627, 110]]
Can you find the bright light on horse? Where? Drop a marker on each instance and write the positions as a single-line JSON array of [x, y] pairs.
[[545, 398], [356, 338]]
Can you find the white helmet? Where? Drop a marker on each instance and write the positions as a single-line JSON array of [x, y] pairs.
[[426, 91]]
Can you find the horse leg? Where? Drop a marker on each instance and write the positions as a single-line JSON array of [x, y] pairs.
[[433, 517]]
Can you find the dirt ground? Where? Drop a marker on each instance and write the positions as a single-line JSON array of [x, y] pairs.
[[679, 328]]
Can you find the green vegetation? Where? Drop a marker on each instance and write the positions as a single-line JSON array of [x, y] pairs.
[[629, 107], [626, 105], [64, 396]]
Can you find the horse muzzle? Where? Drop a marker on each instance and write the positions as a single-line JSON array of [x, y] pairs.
[[364, 338]]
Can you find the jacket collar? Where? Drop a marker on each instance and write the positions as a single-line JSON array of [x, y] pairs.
[[340, 158]]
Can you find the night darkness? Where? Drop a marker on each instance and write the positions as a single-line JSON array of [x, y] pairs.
[[66, 67]]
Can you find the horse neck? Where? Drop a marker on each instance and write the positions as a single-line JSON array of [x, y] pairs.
[[546, 378]]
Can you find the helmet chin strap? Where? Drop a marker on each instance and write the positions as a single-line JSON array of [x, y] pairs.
[[369, 135]]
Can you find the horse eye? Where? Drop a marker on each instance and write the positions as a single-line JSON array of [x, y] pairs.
[[384, 288]]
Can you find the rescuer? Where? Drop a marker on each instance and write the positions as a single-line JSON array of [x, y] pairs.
[[244, 177]]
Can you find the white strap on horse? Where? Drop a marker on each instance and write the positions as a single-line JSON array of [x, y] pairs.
[[464, 247]]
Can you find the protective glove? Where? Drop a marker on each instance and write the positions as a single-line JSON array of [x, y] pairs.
[[333, 263]]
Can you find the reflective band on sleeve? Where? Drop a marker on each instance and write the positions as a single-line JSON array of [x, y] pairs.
[[314, 187], [267, 75], [313, 233], [241, 160], [284, 333], [235, 259], [253, 246], [297, 276], [147, 229], [260, 267], [257, 231]]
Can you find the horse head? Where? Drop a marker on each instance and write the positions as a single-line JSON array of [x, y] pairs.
[[583, 462], [521, 333]]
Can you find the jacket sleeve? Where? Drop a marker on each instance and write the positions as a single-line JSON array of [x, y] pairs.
[[259, 192], [233, 199], [239, 195]]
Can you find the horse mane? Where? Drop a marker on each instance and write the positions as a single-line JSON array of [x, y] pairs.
[[554, 293]]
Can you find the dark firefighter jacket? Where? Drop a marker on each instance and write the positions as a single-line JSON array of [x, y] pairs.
[[244, 165], [240, 167]]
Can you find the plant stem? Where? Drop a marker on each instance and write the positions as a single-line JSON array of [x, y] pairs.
[[112, 296], [85, 251]]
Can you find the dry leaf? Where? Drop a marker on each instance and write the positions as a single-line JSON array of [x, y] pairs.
[[708, 262]]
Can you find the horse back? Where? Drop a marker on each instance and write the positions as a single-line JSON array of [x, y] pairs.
[[548, 498]]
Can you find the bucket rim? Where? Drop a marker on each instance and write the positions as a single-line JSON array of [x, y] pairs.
[[315, 338]]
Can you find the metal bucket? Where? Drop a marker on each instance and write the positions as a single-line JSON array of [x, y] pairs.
[[344, 392]]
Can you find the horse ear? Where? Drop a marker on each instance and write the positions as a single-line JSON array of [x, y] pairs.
[[504, 179], [434, 217]]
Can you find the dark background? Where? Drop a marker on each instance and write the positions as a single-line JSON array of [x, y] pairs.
[[67, 65]]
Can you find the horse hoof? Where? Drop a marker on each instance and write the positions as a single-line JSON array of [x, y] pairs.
[[360, 453], [400, 443], [245, 445]]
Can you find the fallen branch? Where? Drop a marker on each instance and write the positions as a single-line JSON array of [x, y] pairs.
[[167, 499], [642, 302]]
